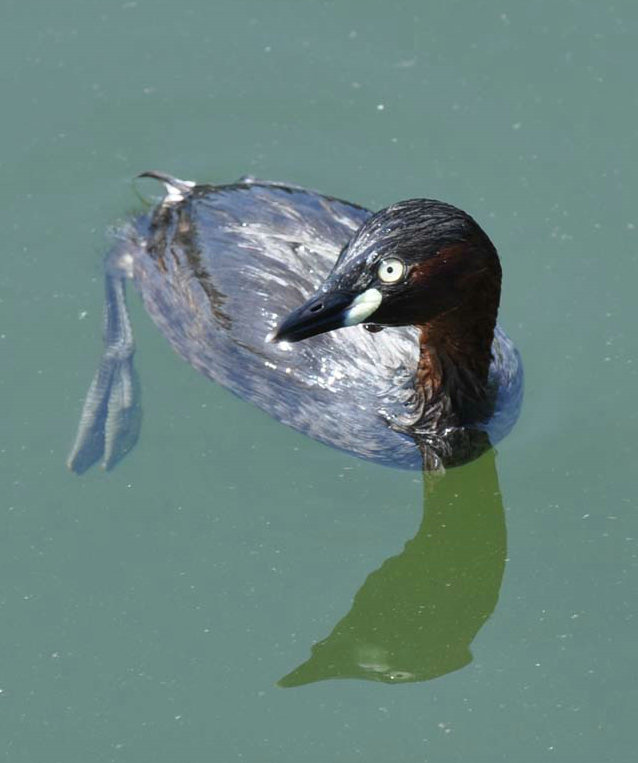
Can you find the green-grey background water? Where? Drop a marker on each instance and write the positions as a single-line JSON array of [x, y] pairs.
[[148, 613]]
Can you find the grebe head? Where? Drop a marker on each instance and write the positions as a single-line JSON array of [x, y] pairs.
[[413, 263]]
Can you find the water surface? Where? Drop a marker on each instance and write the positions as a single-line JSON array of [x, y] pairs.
[[168, 610]]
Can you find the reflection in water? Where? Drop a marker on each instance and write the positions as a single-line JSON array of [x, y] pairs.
[[415, 617]]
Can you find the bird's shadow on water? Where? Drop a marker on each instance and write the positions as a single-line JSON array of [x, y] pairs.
[[415, 617]]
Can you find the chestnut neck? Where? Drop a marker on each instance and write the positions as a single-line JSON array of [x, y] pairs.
[[455, 357]]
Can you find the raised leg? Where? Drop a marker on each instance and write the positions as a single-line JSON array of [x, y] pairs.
[[110, 420]]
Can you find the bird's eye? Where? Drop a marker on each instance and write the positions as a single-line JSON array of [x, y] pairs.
[[391, 270]]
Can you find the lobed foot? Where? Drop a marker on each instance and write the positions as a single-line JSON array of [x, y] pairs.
[[110, 421]]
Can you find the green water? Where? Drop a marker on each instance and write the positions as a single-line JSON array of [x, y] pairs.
[[167, 611]]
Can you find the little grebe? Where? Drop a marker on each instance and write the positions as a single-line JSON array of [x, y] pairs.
[[236, 275]]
